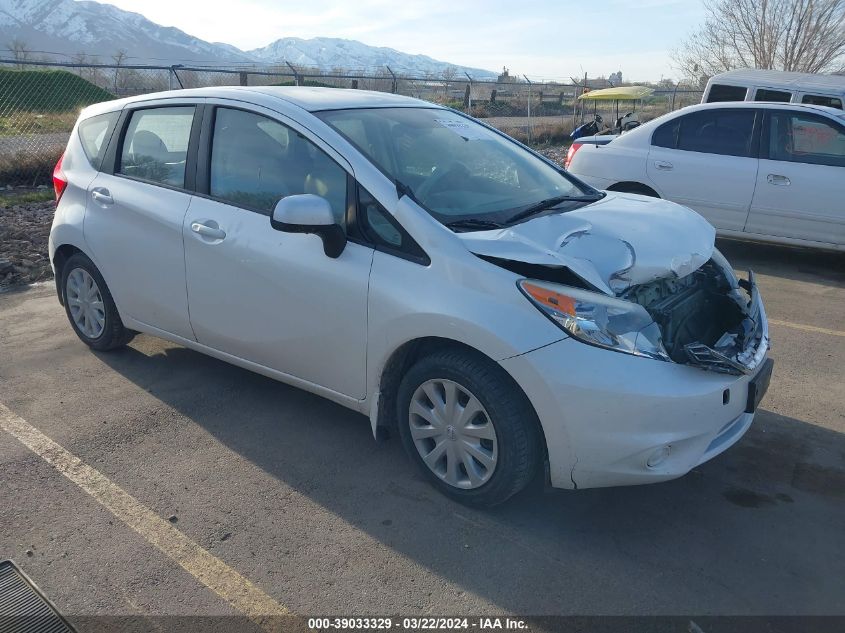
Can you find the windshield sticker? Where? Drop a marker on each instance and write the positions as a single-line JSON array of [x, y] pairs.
[[463, 129]]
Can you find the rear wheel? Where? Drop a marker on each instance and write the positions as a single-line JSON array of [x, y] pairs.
[[90, 307], [469, 427]]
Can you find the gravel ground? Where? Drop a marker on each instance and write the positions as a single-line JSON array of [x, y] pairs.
[[24, 229], [555, 152]]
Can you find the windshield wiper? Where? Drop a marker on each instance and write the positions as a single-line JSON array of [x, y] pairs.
[[548, 203], [474, 224]]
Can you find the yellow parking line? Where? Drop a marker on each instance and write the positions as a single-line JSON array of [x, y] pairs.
[[206, 568], [807, 328]]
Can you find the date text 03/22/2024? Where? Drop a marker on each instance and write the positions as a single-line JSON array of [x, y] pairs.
[[417, 624]]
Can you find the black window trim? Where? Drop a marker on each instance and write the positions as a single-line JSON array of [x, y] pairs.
[[767, 130], [115, 150], [411, 251]]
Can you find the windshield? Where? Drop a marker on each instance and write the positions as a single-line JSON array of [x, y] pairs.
[[459, 170]]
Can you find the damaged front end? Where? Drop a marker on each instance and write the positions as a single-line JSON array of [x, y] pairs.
[[708, 318]]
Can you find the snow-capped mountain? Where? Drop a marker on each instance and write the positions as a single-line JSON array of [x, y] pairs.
[[99, 31], [329, 53]]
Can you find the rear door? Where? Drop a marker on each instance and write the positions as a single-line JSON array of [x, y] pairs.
[[801, 182], [706, 160], [135, 209]]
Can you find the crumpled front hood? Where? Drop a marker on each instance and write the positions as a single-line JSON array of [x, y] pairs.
[[617, 242]]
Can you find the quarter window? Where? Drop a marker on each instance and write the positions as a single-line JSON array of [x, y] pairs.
[[721, 92], [777, 96], [667, 134], [725, 132], [94, 134], [820, 100], [801, 138], [155, 147], [256, 161]]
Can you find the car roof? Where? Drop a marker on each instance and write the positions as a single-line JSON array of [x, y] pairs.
[[779, 78], [312, 99], [764, 104]]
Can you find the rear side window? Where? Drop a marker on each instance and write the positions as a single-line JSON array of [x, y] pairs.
[[820, 100], [725, 132], [777, 96], [803, 138], [94, 135], [155, 147], [721, 92]]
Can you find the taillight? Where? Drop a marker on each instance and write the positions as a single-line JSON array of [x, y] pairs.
[[59, 179], [570, 154]]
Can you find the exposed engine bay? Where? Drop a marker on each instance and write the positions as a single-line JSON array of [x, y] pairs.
[[707, 319]]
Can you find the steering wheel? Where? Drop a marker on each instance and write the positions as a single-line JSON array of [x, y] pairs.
[[455, 169]]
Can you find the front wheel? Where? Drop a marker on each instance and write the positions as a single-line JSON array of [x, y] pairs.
[[90, 307], [469, 427]]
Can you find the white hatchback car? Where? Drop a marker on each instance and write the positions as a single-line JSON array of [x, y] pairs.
[[418, 267], [764, 171]]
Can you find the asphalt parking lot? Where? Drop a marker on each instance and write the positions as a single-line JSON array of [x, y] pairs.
[[290, 493]]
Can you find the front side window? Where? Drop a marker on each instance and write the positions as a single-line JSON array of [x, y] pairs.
[[725, 132], [821, 100], [256, 161], [456, 168], [777, 96], [94, 135], [155, 147], [721, 92], [804, 138]]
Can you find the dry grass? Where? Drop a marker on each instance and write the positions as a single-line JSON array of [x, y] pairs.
[[29, 168]]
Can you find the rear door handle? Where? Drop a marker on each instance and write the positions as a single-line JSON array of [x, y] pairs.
[[102, 195], [777, 179], [205, 230], [663, 165]]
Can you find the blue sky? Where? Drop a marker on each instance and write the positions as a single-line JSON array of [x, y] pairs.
[[544, 39]]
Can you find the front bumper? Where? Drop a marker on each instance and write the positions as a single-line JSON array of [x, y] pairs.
[[613, 419]]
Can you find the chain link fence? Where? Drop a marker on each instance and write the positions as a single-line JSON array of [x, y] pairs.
[[40, 101]]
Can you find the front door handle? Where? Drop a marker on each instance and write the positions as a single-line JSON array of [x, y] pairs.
[[205, 230], [663, 165], [777, 179], [102, 195]]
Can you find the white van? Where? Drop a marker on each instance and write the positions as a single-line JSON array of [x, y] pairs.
[[776, 86]]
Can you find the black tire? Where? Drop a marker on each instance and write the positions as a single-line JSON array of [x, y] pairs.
[[514, 420], [114, 334]]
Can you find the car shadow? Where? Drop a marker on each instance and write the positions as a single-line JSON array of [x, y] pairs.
[[728, 537], [787, 262]]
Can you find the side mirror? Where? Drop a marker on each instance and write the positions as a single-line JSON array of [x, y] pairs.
[[307, 213]]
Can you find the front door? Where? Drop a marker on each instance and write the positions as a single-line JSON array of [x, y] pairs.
[[800, 190], [270, 297]]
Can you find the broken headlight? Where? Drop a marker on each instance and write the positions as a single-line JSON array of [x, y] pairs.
[[597, 319]]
